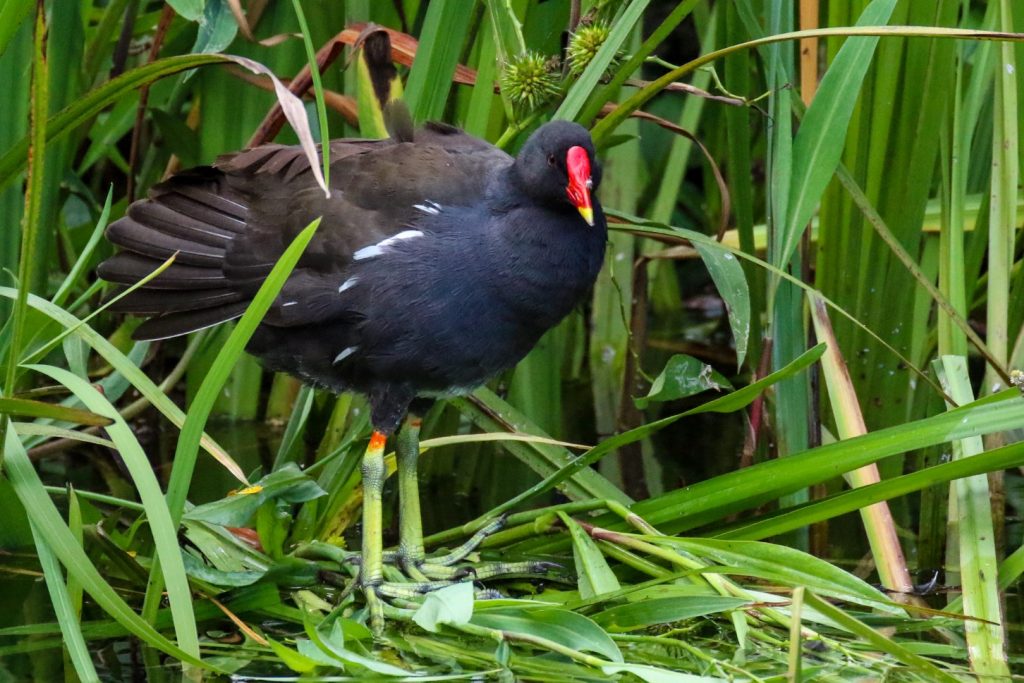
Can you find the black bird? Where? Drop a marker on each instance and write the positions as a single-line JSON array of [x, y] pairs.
[[439, 262]]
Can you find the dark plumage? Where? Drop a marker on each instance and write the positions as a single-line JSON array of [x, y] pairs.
[[440, 260]]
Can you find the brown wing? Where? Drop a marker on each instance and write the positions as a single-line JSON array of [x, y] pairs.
[[229, 224]]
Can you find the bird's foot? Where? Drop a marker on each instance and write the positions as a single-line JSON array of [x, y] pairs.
[[379, 594], [407, 574], [450, 567], [411, 559]]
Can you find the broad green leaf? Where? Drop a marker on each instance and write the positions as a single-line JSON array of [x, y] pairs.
[[299, 662], [217, 27], [189, 9], [334, 645], [561, 626], [449, 605], [683, 376], [637, 615], [594, 576], [197, 569], [288, 484], [731, 283]]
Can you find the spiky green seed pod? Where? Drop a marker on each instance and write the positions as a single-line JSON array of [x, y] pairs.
[[584, 44], [529, 81]]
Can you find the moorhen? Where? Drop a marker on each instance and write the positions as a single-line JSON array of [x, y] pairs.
[[439, 263]]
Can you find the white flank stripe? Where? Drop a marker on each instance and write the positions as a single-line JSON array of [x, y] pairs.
[[289, 303], [367, 252], [425, 208], [348, 284], [378, 249], [345, 353], [404, 235]]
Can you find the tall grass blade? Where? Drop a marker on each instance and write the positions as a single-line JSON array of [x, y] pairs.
[[540, 457], [978, 561], [845, 502], [165, 535], [47, 522], [128, 369], [318, 89], [818, 144], [878, 521], [588, 80], [636, 60], [67, 615], [28, 261], [191, 431], [711, 500], [12, 15], [1003, 217], [878, 640], [430, 79], [642, 96], [187, 449]]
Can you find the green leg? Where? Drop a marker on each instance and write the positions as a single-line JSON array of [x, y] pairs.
[[410, 546], [371, 573]]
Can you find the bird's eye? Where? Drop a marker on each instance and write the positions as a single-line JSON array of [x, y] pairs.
[[552, 160]]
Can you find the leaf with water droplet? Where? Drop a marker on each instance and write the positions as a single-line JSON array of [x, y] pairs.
[[683, 376]]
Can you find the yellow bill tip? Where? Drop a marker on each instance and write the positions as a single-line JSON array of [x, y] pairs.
[[587, 213]]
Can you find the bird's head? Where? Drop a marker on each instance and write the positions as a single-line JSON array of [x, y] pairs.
[[558, 166]]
